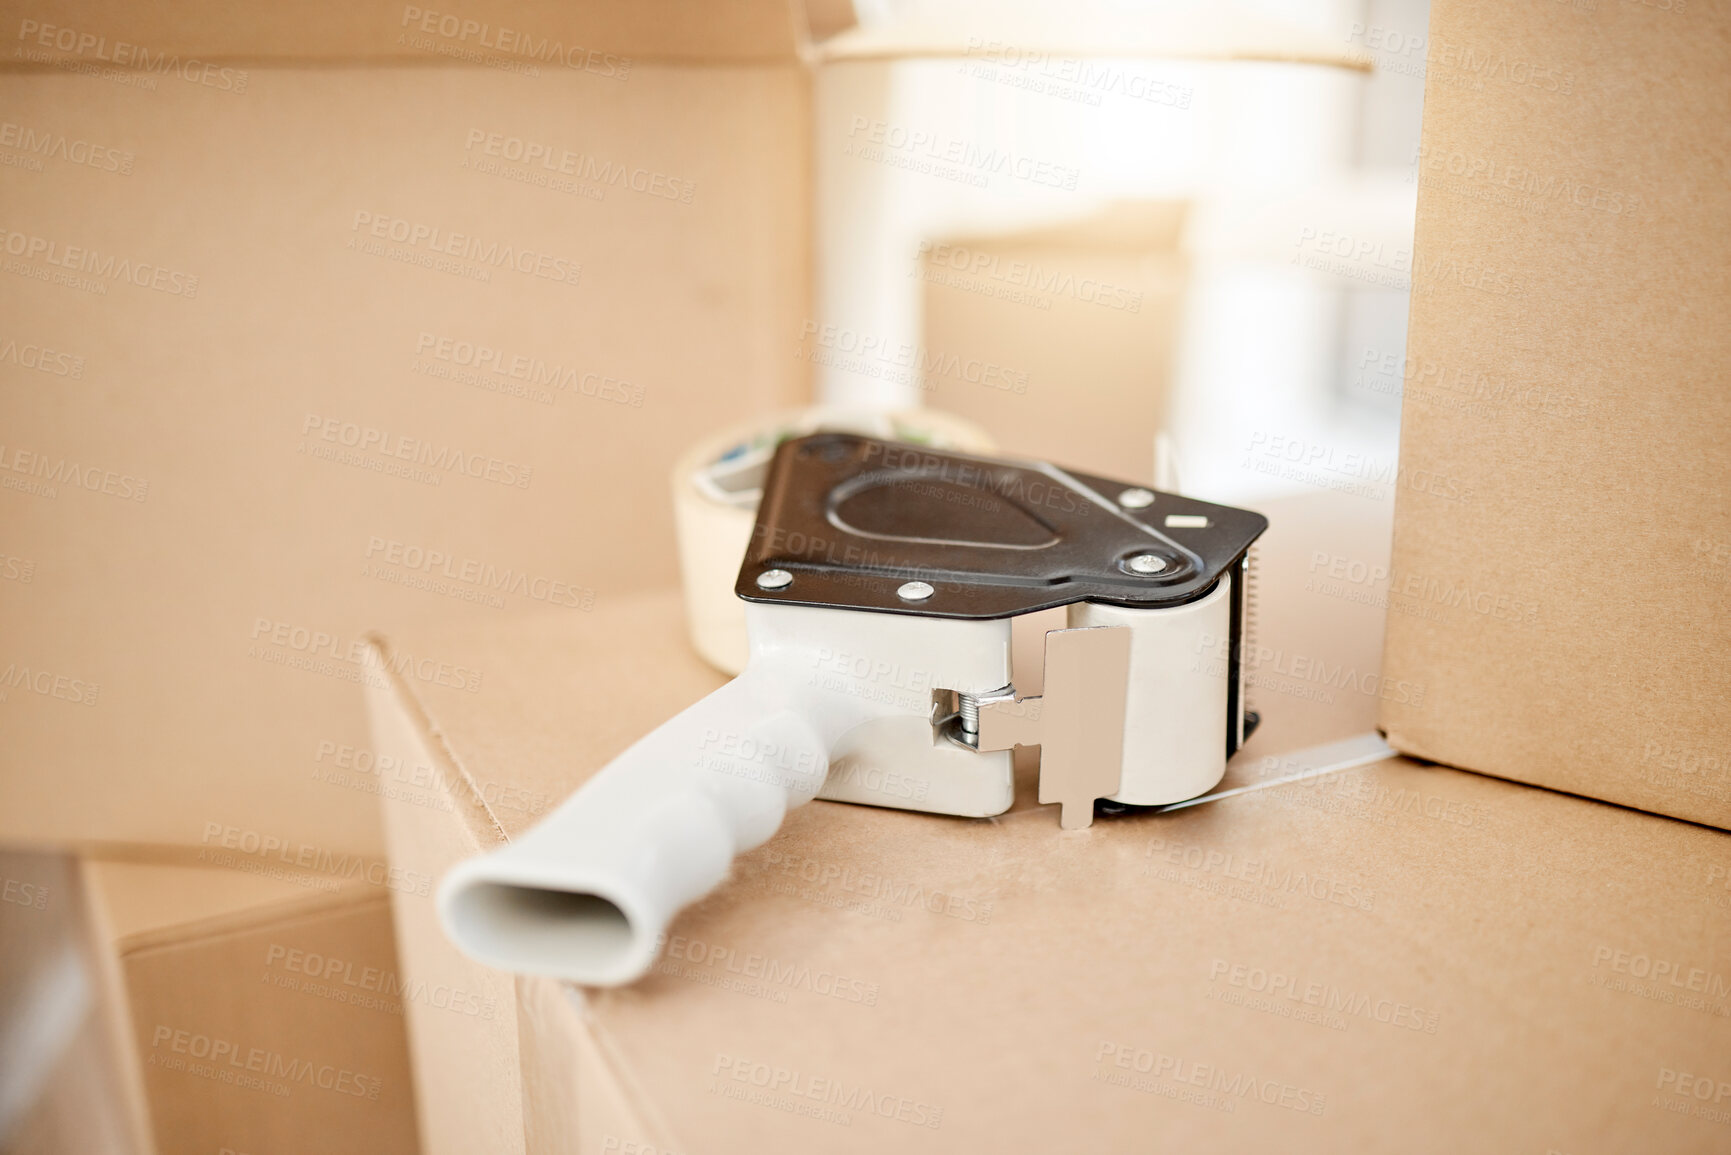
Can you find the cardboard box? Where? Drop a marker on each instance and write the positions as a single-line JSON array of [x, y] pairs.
[[1312, 966], [324, 316], [1562, 545], [263, 1012], [1078, 377]]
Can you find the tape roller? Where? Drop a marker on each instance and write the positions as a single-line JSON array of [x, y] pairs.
[[878, 585]]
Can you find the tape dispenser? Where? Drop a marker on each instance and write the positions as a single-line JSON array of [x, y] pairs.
[[879, 585]]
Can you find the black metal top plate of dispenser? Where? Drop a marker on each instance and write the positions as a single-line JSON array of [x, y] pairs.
[[852, 519]]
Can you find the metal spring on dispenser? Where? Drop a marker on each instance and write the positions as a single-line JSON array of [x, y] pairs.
[[1247, 642]]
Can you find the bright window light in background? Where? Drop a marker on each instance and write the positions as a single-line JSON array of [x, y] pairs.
[[997, 202]]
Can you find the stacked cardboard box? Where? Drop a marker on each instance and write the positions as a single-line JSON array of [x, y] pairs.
[[353, 312], [153, 1006], [1312, 966], [1079, 378], [1561, 565], [1319, 965], [318, 317], [211, 235], [264, 1008]]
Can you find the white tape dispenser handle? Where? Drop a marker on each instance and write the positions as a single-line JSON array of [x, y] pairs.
[[1126, 713]]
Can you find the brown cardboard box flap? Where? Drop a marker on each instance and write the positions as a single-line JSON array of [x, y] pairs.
[[142, 904]]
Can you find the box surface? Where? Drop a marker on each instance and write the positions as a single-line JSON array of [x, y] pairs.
[[1311, 966], [366, 320], [1562, 547], [264, 1013]]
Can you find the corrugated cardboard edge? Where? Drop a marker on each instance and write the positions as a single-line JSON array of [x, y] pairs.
[[576, 1096], [466, 1054], [475, 813], [558, 1039], [242, 922], [1427, 761], [611, 1068]]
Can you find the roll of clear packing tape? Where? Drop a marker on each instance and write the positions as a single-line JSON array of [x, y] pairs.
[[1173, 726], [716, 487]]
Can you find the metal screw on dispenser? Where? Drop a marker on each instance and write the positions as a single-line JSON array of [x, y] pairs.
[[1136, 498], [915, 591], [968, 715], [1146, 563], [774, 579]]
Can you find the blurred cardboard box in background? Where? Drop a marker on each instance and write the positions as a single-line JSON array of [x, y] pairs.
[[262, 1011], [366, 311], [163, 1007], [1060, 341]]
